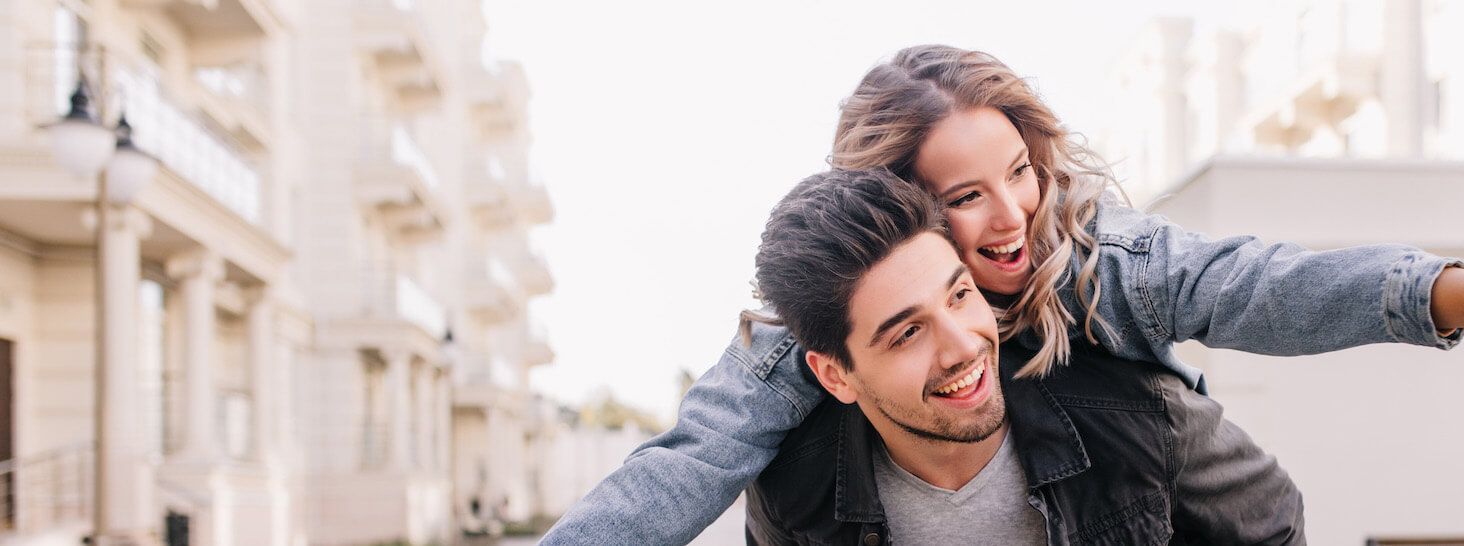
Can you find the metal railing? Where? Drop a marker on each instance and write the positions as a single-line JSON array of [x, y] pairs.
[[47, 489], [245, 84]]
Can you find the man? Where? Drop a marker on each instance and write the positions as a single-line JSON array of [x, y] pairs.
[[928, 438]]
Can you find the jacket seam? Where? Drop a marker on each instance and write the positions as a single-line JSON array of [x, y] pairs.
[[802, 453], [1160, 333], [1110, 520], [1141, 406]]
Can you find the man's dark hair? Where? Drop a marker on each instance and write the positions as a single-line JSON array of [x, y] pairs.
[[821, 240]]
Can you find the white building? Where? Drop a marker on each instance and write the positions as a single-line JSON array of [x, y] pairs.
[[342, 183], [1332, 123]]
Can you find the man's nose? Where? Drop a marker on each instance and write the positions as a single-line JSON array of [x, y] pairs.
[[959, 343]]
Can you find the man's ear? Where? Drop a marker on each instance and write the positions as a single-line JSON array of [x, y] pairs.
[[832, 376]]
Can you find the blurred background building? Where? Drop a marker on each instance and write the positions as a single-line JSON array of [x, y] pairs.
[[315, 310], [1331, 123]]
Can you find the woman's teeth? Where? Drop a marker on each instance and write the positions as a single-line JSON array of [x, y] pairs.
[[1006, 248], [963, 382]]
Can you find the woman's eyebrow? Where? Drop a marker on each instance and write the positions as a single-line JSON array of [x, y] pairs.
[[1021, 153]]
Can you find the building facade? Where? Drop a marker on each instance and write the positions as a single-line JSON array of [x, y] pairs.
[[336, 247], [1331, 123]]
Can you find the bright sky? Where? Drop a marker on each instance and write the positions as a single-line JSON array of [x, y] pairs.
[[666, 130]]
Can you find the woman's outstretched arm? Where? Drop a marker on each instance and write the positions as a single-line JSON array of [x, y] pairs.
[[727, 429]]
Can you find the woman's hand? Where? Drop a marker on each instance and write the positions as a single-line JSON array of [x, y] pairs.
[[1448, 300]]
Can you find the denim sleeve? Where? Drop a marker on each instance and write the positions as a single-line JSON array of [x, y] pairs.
[[727, 429], [1277, 299], [1226, 490]]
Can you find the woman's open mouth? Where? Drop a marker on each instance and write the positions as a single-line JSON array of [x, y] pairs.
[[1009, 256]]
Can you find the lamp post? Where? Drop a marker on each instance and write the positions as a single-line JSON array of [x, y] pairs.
[[88, 149]]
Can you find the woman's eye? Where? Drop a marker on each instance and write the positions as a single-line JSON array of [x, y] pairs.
[[967, 198], [1021, 170]]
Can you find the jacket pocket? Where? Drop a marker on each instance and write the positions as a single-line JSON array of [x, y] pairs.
[[1143, 521]]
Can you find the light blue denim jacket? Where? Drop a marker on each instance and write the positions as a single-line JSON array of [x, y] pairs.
[[1160, 285]]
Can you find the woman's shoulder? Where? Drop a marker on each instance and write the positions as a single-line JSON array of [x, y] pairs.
[[762, 341], [1119, 224]]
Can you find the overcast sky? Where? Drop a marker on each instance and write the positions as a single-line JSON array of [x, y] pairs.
[[666, 130]]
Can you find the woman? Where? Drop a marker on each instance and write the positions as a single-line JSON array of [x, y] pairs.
[[1029, 213]]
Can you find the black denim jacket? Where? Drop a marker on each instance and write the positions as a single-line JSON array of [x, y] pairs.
[[1115, 452]]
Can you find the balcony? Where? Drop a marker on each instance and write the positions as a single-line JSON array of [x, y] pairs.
[[395, 178], [390, 33], [236, 98], [499, 201], [488, 196], [1327, 92], [215, 20], [537, 351], [490, 293], [184, 144], [533, 203], [1312, 71], [482, 380], [534, 275], [396, 297], [497, 97]]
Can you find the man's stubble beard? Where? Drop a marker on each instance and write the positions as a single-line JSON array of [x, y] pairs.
[[942, 430]]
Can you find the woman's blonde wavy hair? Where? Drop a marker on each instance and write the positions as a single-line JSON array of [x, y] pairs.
[[895, 106]]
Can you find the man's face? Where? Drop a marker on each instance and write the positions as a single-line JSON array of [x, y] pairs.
[[924, 344]]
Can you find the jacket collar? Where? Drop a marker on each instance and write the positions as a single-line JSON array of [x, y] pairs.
[[1045, 439]]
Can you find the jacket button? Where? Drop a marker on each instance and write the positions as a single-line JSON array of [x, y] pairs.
[[871, 539]]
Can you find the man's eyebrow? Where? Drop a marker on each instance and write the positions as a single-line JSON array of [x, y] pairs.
[[958, 187], [956, 275], [906, 312], [890, 323]]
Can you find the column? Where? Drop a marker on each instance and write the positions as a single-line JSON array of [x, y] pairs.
[[197, 273], [398, 377], [262, 370], [125, 498], [1401, 82], [444, 417]]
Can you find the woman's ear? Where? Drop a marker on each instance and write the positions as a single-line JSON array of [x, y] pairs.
[[832, 376]]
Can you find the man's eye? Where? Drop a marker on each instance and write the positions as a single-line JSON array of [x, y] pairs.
[[967, 198], [961, 295], [906, 335]]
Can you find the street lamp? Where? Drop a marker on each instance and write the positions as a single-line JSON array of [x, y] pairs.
[[83, 146], [88, 149]]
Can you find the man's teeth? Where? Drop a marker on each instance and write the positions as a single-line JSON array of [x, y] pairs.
[[1006, 248], [963, 382]]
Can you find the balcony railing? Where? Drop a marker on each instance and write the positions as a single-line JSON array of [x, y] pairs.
[[161, 125], [392, 295], [237, 96], [405, 152], [489, 289]]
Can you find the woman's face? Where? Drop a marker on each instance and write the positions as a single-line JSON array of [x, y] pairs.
[[975, 162]]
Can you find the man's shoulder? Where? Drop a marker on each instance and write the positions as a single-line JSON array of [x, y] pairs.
[[1092, 375], [797, 491]]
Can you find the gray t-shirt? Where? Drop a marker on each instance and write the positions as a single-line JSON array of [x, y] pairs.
[[990, 509]]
